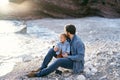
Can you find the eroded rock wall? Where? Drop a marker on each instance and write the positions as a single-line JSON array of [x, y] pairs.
[[71, 8]]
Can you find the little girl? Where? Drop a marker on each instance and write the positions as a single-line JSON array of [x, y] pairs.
[[63, 46]]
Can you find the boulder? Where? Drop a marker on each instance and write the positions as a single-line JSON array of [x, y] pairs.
[[26, 58]]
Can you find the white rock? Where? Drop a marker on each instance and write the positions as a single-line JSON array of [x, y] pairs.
[[94, 70], [88, 64], [97, 64], [68, 78], [104, 77], [112, 64], [87, 70], [90, 71], [81, 77], [27, 58]]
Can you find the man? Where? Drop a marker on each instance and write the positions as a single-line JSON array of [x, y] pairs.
[[74, 61]]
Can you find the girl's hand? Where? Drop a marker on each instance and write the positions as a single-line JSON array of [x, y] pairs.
[[56, 49], [65, 55]]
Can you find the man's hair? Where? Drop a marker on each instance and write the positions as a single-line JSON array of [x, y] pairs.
[[70, 28]]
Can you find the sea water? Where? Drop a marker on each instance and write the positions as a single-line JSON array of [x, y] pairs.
[[15, 47]]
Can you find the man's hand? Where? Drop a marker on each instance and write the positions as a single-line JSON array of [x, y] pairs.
[[65, 55], [56, 49]]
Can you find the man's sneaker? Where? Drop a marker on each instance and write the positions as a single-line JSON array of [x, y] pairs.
[[32, 74], [58, 72], [36, 70]]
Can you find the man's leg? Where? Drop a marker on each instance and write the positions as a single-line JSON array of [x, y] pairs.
[[60, 62], [51, 53]]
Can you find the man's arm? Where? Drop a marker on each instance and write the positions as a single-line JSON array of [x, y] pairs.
[[79, 52], [68, 48]]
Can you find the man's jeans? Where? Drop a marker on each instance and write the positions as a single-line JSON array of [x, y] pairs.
[[59, 62]]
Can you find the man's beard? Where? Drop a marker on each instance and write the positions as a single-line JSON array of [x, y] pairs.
[[68, 36]]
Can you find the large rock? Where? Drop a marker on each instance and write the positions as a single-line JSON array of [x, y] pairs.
[[70, 8], [79, 8]]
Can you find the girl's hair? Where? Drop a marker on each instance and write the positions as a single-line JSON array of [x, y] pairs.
[[64, 35]]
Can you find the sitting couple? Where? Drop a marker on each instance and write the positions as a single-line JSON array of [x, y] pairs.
[[69, 53]]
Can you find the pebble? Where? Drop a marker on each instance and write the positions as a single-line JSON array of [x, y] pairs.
[[81, 77], [27, 58]]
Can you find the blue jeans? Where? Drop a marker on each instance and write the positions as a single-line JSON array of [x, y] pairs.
[[59, 62]]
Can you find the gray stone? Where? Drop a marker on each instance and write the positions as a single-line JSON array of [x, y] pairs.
[[22, 31], [27, 58], [81, 77]]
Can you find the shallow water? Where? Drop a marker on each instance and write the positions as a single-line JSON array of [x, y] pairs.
[[15, 47]]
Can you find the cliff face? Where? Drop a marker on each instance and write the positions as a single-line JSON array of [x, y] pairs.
[[73, 8], [80, 8]]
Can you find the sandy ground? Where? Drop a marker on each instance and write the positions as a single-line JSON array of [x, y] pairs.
[[102, 39]]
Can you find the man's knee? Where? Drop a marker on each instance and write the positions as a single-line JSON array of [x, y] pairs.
[[51, 52], [59, 61]]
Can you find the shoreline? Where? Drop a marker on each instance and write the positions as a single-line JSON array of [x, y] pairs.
[[101, 37]]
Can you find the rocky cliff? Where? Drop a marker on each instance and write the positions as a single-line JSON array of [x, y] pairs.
[[79, 8], [70, 8]]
